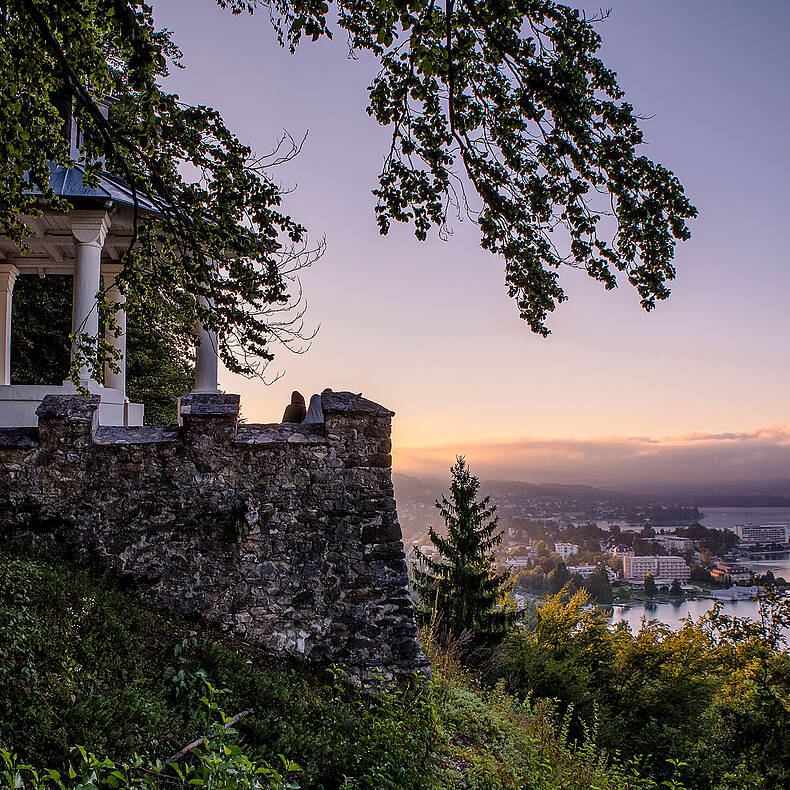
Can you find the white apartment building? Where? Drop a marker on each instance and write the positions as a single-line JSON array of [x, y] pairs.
[[762, 534], [585, 571], [566, 550], [664, 569], [673, 542], [582, 570]]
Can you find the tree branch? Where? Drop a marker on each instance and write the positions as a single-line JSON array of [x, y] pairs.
[[200, 741]]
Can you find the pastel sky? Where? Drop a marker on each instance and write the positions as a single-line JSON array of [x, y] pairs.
[[697, 389]]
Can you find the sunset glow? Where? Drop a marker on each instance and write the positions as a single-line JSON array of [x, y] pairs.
[[427, 329]]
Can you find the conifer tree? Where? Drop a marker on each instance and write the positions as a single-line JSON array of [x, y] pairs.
[[463, 588]]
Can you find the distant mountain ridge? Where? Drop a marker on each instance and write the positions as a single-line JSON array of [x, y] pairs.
[[409, 485], [747, 494]]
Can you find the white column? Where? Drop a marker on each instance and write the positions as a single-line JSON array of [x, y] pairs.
[[207, 361], [89, 229], [113, 380], [8, 275]]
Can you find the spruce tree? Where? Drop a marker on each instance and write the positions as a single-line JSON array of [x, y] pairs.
[[462, 589]]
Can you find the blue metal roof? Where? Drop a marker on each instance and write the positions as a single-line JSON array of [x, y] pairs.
[[68, 182]]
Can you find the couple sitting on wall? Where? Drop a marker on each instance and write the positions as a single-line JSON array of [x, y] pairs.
[[296, 411]]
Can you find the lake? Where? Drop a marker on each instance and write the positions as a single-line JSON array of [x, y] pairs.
[[714, 518], [672, 614], [728, 517], [719, 518]]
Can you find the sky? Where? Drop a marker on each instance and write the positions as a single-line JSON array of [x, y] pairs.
[[695, 390]]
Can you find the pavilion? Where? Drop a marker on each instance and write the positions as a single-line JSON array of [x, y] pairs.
[[87, 243]]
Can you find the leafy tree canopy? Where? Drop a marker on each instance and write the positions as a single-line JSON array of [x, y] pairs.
[[509, 96], [711, 694], [504, 100], [218, 247], [599, 587]]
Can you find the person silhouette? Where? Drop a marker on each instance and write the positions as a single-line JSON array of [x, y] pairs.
[[315, 414], [296, 410]]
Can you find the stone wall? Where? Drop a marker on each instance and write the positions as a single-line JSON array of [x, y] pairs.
[[285, 535]]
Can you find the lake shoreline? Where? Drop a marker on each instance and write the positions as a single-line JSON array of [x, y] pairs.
[[675, 613]]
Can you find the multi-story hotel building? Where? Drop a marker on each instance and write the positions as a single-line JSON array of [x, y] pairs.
[[663, 569], [762, 534]]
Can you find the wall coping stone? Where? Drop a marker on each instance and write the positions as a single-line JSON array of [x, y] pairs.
[[209, 405], [74, 408], [348, 402], [281, 433], [111, 434]]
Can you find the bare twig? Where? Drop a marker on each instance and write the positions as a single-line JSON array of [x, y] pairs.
[[200, 741]]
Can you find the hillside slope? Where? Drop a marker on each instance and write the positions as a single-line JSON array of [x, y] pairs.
[[81, 663]]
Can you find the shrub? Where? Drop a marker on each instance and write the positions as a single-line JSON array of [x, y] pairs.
[[82, 663], [214, 761]]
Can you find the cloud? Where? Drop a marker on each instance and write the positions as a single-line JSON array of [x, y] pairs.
[[693, 458]]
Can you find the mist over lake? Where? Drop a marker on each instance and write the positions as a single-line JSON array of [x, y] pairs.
[[728, 517]]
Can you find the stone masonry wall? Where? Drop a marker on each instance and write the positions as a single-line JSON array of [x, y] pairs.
[[285, 535]]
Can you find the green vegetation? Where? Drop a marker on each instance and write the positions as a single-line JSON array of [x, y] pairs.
[[712, 695], [42, 322], [549, 575], [598, 586], [82, 664], [158, 370], [496, 740], [215, 760], [709, 541]]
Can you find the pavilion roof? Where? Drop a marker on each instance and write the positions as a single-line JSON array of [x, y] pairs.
[[68, 182]]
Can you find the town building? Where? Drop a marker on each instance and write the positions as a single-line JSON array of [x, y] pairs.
[[737, 593], [735, 573], [663, 569], [673, 542], [526, 552], [585, 571], [566, 550], [762, 534]]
